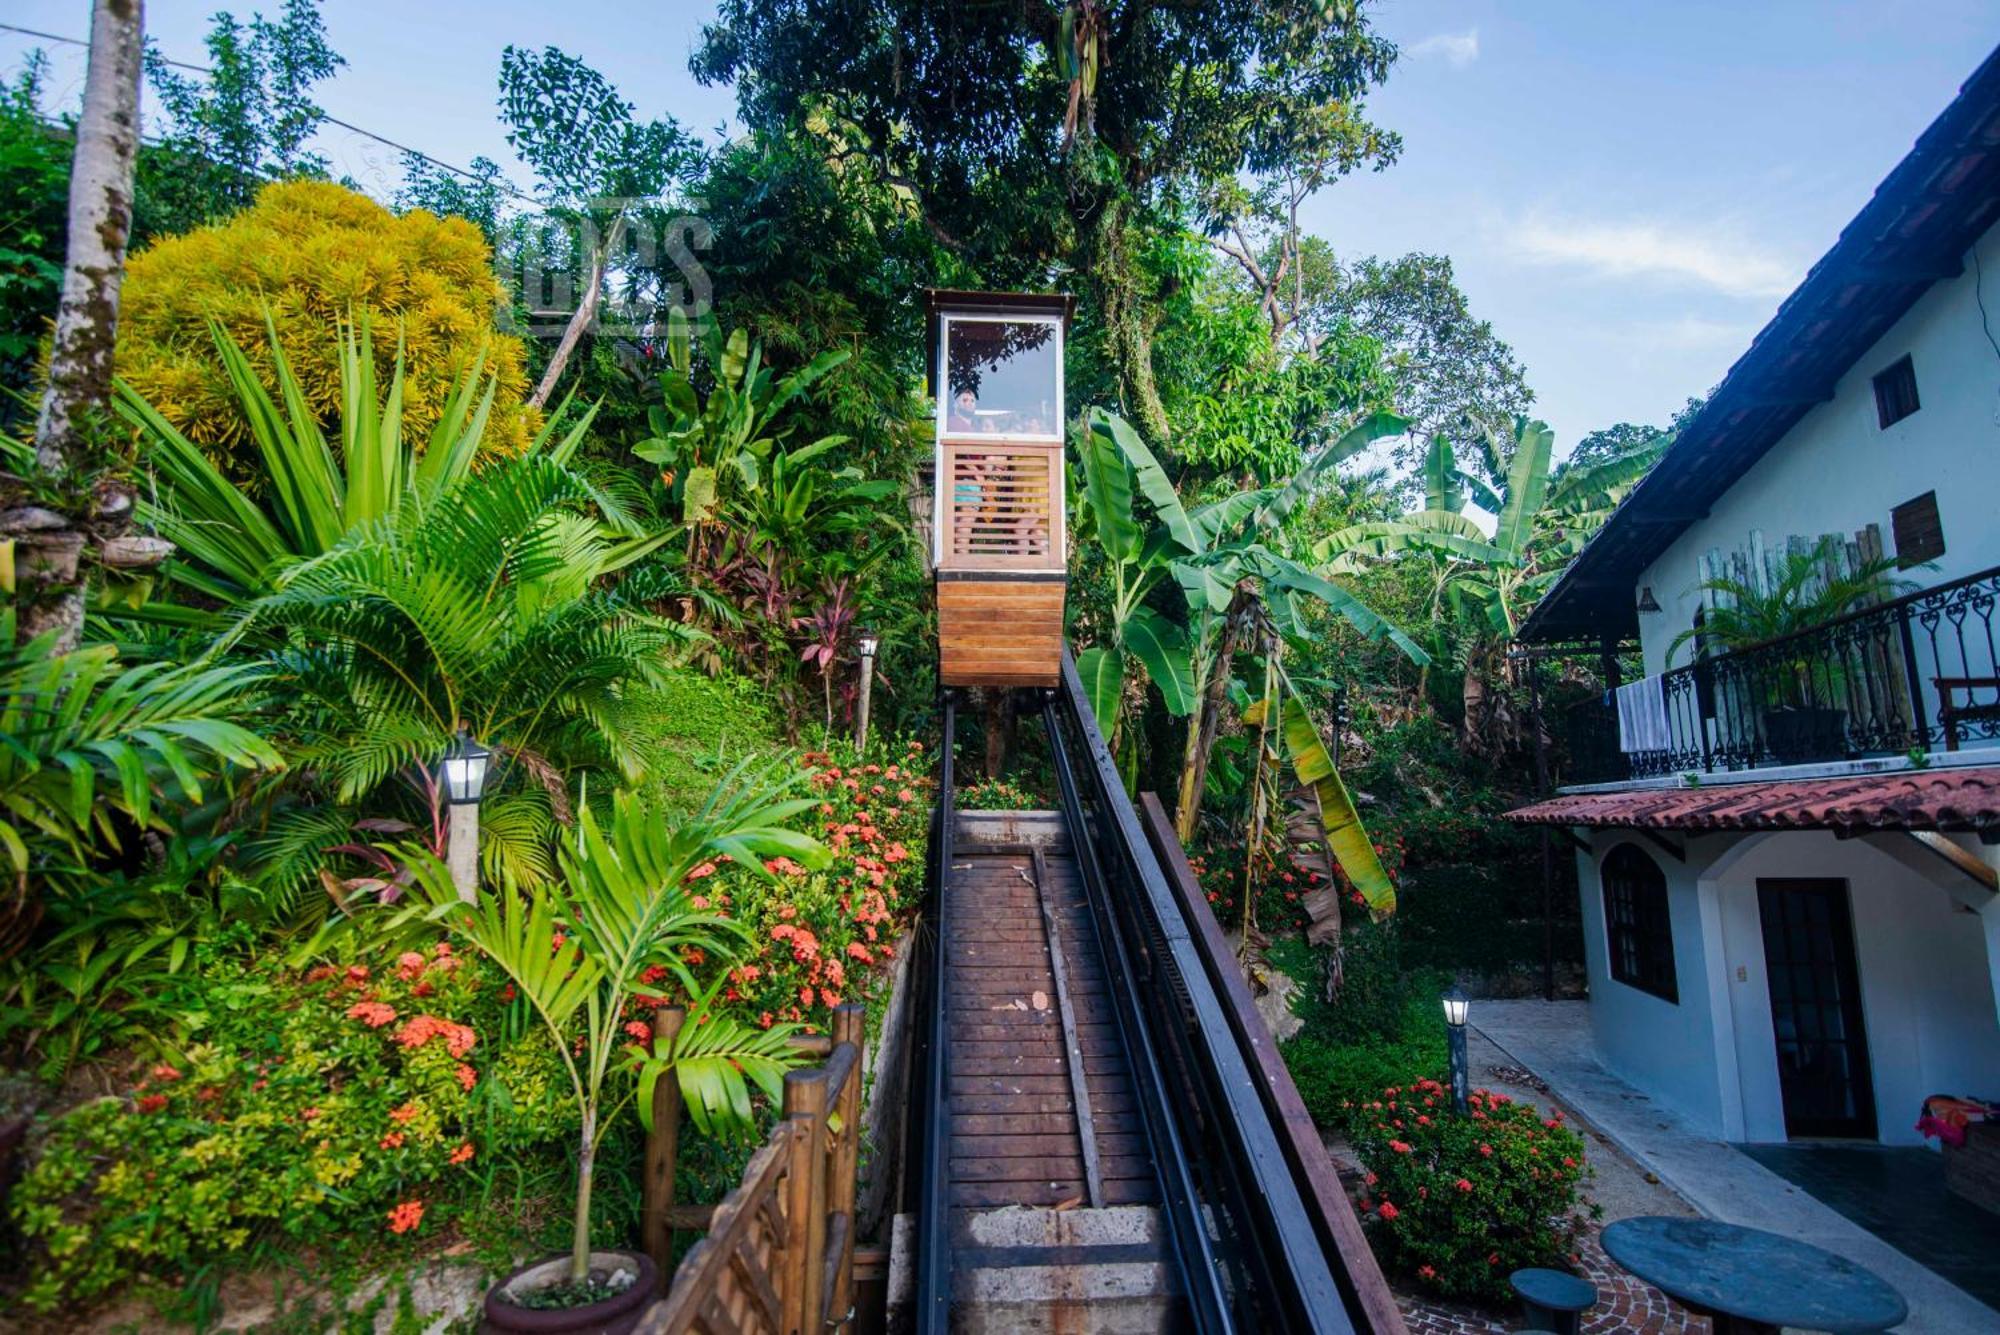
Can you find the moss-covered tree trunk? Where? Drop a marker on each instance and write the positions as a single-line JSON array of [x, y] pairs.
[[78, 397]]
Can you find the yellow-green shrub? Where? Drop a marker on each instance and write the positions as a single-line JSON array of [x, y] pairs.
[[314, 254]]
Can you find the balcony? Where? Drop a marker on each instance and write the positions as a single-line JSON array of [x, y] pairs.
[[1917, 673]]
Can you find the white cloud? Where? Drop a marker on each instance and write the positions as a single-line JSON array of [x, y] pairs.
[[1456, 49], [1730, 265], [1694, 333]]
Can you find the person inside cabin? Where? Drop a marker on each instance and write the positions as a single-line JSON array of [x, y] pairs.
[[962, 420]]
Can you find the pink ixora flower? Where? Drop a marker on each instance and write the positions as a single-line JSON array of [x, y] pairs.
[[1389, 1211]]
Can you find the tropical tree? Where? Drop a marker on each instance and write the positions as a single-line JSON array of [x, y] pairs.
[[597, 164], [78, 398], [579, 948], [485, 610]]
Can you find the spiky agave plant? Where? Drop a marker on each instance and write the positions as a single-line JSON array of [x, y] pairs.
[[578, 949]]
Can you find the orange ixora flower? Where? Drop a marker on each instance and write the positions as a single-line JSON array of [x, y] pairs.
[[392, 1141], [406, 1216], [406, 1113], [374, 1014], [463, 1154]]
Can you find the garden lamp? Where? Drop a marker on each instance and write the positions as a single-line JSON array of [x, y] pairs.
[[1457, 1007], [868, 643], [462, 775]]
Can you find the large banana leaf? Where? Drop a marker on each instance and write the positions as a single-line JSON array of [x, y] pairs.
[[1443, 489], [1376, 426], [1284, 574], [1162, 649], [1345, 834], [1107, 490], [1527, 484], [1154, 483], [1103, 673]]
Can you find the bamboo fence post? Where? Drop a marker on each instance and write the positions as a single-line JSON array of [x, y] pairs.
[[805, 1218], [662, 1155], [849, 1026]]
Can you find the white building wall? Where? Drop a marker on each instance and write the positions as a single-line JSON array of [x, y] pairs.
[[1927, 981], [1836, 471]]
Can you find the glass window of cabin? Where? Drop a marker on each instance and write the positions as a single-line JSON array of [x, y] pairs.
[[1003, 377]]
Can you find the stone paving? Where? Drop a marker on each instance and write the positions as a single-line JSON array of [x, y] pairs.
[[1625, 1305]]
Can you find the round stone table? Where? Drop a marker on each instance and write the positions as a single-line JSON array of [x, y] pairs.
[[1747, 1280]]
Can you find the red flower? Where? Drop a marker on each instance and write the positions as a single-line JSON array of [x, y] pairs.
[[1389, 1211], [406, 1113], [1463, 1184], [1399, 1147], [463, 1153], [392, 1141], [1427, 1272], [409, 966], [152, 1103], [406, 1216], [374, 1014], [165, 1072], [467, 1077], [638, 1032]]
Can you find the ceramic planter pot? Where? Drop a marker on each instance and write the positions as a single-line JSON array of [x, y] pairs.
[[613, 1316], [1802, 736]]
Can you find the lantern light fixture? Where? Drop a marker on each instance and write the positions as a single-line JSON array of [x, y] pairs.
[[463, 770]]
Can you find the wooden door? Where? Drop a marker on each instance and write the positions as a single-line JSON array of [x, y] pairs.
[[1816, 1008]]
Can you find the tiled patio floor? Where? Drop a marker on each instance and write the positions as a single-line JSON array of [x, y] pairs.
[[1553, 1040], [1898, 1194]]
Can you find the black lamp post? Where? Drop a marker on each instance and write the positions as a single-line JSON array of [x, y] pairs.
[[462, 775], [1456, 1007]]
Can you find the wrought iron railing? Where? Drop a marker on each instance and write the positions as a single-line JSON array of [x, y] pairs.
[[1918, 672]]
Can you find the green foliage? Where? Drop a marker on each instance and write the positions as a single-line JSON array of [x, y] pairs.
[[88, 746], [1812, 588], [325, 1109], [34, 218], [234, 542], [246, 120], [1449, 367], [1383, 1024], [581, 947], [1460, 1203]]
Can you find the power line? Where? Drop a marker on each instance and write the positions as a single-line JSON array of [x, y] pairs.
[[498, 184]]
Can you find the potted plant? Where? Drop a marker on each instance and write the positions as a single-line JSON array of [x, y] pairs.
[[577, 949], [1798, 685]]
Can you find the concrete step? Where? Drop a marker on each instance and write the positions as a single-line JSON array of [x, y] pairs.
[[1051, 1272]]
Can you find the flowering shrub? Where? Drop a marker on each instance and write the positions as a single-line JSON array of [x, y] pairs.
[[821, 938], [1280, 884], [998, 795], [1459, 1203], [347, 1101]]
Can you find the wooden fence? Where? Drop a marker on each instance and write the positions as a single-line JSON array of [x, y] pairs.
[[779, 1255]]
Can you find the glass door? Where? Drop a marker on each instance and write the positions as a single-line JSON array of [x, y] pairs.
[[1816, 1008]]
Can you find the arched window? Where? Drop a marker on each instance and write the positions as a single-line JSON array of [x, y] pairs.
[[1637, 928]]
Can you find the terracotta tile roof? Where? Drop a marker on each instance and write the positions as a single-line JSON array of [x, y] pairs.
[[1952, 799]]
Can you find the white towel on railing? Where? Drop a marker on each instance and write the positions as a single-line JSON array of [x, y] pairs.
[[1642, 717]]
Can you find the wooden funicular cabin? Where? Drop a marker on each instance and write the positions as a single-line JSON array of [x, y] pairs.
[[998, 524]]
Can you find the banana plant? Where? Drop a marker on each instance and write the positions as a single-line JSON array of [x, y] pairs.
[[1215, 554], [577, 950]]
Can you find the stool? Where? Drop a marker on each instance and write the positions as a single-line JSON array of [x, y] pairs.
[[1554, 1301]]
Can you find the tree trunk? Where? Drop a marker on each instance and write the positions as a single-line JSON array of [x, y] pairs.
[[581, 318], [1206, 722], [78, 400], [586, 1158], [1000, 712]]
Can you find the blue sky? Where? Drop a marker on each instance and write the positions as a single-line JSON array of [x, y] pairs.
[[1627, 190]]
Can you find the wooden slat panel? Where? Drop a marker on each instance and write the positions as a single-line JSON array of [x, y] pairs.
[[1001, 506]]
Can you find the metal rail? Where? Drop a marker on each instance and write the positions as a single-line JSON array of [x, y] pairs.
[[931, 1120], [1251, 1252]]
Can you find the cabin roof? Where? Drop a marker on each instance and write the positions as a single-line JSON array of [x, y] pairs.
[[1912, 233]]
